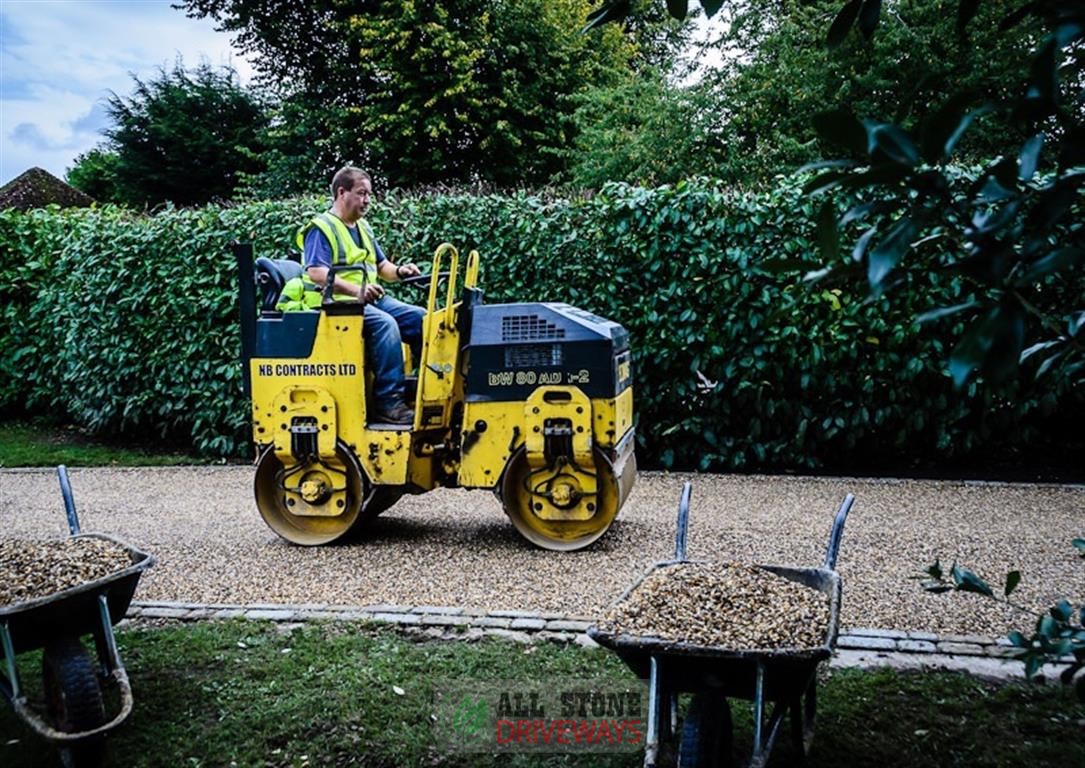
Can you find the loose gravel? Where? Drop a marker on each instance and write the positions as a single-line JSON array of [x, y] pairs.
[[32, 569], [456, 547], [729, 606]]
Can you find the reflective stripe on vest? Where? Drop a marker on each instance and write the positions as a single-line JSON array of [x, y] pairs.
[[344, 250]]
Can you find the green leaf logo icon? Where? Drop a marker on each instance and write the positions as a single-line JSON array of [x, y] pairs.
[[469, 719]]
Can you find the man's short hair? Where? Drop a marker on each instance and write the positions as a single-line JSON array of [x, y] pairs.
[[346, 177]]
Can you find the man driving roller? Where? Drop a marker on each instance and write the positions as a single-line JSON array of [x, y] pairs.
[[343, 236]]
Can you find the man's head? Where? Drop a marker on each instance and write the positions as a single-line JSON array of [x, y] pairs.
[[352, 190]]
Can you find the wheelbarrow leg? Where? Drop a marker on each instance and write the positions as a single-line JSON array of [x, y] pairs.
[[105, 642], [803, 713], [764, 735], [11, 686], [651, 744]]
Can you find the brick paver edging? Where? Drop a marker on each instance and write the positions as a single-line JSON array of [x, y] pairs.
[[526, 626]]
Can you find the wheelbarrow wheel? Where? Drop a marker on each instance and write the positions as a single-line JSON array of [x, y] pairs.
[[706, 733], [73, 698], [803, 712]]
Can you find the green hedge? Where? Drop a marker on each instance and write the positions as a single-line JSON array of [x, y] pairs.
[[127, 324]]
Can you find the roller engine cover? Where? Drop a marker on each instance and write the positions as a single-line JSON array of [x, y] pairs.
[[516, 348]]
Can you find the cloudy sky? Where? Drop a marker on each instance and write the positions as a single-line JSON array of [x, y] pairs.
[[59, 59]]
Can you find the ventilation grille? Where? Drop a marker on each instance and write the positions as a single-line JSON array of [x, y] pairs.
[[533, 355], [529, 328]]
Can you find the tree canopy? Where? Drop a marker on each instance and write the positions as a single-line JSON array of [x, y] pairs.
[[182, 136], [460, 91], [1016, 231]]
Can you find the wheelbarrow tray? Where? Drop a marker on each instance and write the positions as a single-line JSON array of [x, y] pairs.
[[74, 611], [690, 667]]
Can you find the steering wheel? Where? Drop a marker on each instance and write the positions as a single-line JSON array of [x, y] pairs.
[[423, 280]]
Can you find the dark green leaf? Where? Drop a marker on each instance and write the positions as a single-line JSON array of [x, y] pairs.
[[1013, 578], [1018, 640], [842, 128], [861, 211], [992, 344], [889, 141], [711, 7], [1062, 611], [994, 191], [862, 243], [934, 570], [889, 251], [828, 237], [614, 10], [1075, 323], [1047, 364], [1069, 31], [944, 128], [1039, 347], [966, 581], [869, 14], [1030, 156], [1047, 627], [678, 8], [824, 182], [823, 164], [843, 23], [1079, 545], [1032, 665], [937, 314], [937, 587], [1053, 203], [1051, 263]]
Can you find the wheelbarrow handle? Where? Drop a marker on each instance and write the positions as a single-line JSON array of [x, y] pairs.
[[683, 522], [69, 502], [837, 532]]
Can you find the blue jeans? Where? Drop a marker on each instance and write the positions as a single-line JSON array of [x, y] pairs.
[[388, 323]]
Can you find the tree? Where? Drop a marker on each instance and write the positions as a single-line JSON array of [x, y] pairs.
[[182, 137], [95, 172], [459, 91], [1016, 228], [645, 131], [770, 95]]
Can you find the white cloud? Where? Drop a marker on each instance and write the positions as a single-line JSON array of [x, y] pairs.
[[59, 60]]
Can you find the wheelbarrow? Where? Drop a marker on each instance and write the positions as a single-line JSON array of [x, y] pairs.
[[786, 678], [76, 720]]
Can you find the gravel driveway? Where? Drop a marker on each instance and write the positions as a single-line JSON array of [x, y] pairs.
[[453, 547]]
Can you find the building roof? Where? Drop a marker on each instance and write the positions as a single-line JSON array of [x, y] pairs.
[[37, 188]]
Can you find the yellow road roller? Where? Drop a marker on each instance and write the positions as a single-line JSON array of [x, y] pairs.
[[531, 401]]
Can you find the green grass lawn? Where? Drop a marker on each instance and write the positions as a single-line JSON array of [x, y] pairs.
[[44, 445], [252, 694]]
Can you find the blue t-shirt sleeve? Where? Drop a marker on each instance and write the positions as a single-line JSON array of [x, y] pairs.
[[317, 251]]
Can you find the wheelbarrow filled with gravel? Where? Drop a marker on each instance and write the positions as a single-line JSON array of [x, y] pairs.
[[722, 632], [52, 594]]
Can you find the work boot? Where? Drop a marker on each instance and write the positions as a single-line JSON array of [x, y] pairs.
[[399, 413]]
